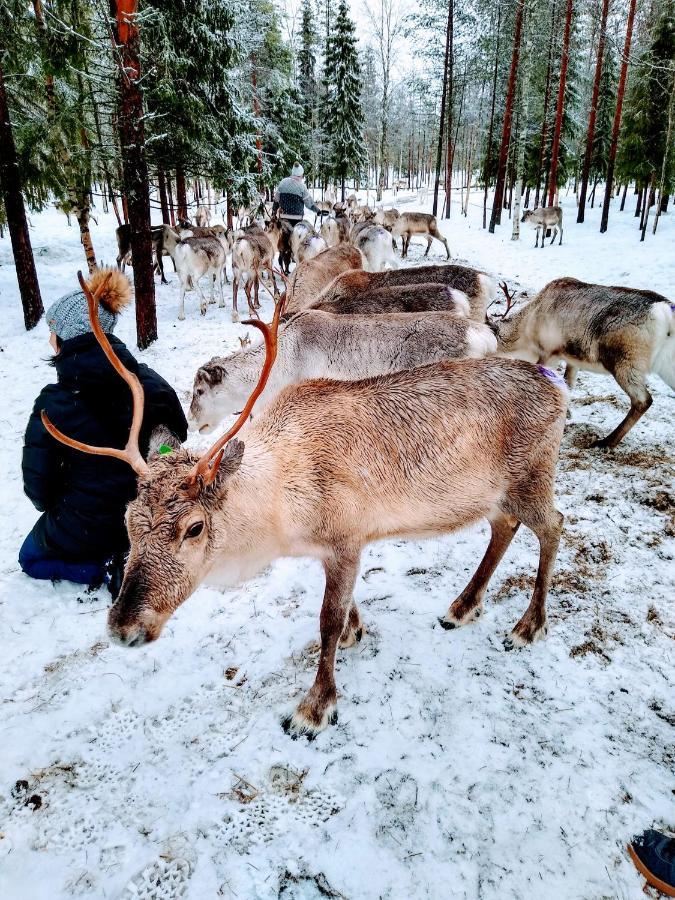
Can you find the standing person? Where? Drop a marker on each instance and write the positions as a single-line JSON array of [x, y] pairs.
[[291, 197], [81, 535]]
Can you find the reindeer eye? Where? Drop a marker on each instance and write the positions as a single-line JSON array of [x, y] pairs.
[[194, 530], [200, 392]]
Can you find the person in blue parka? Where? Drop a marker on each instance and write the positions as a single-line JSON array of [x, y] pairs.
[[81, 535]]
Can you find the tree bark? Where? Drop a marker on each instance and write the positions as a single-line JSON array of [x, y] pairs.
[[488, 155], [609, 181], [181, 194], [496, 216], [586, 168], [648, 204], [522, 136], [547, 100], [441, 122], [134, 166], [449, 142], [555, 149], [664, 165], [10, 184]]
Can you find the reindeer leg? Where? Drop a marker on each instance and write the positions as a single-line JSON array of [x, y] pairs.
[[561, 231], [317, 708], [160, 266], [235, 288], [181, 308], [555, 235], [202, 298], [256, 290], [353, 630], [469, 605], [221, 304], [212, 298], [570, 375], [546, 522], [429, 243], [633, 381]]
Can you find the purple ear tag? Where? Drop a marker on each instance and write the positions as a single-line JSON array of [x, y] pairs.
[[552, 376]]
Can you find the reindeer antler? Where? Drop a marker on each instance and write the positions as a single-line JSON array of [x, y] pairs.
[[509, 297], [206, 467], [131, 452]]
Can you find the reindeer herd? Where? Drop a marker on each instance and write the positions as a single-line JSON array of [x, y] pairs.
[[381, 404]]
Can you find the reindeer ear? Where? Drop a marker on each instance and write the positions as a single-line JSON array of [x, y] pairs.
[[211, 374], [162, 440], [231, 460]]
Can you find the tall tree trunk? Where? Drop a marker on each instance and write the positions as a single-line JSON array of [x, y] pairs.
[[181, 194], [555, 148], [496, 216], [83, 216], [441, 121], [609, 181], [132, 141], [544, 120], [638, 205], [449, 142], [648, 204], [488, 155], [664, 165], [593, 113], [10, 184], [623, 197], [163, 200], [169, 191], [522, 135], [256, 113]]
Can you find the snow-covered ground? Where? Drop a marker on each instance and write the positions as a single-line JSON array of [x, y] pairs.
[[456, 769]]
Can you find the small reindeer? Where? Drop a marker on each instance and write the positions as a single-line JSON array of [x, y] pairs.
[[542, 219], [313, 275], [412, 223]]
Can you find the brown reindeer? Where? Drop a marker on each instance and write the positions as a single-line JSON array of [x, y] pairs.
[[352, 288], [411, 223], [252, 254], [330, 467], [313, 275]]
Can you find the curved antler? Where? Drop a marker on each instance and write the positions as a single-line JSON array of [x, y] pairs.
[[206, 467], [131, 452]]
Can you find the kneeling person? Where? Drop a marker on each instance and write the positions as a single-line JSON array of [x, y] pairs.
[[81, 535]]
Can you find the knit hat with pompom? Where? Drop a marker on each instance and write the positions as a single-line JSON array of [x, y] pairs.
[[68, 316], [297, 170]]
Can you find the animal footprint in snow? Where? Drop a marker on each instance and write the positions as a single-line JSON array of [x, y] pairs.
[[164, 879], [397, 793]]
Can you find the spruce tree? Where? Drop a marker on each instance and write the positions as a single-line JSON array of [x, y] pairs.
[[342, 113]]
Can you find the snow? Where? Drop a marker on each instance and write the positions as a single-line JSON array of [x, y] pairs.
[[456, 769]]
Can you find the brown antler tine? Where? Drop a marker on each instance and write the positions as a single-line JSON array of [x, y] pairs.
[[206, 467], [131, 453], [132, 449]]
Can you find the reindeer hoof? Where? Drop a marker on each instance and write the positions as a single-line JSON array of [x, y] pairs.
[[359, 635], [297, 724], [235, 317], [448, 626], [602, 444]]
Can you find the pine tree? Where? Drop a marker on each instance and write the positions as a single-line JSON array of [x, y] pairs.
[[342, 114]]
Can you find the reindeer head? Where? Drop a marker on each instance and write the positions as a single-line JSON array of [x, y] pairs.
[[172, 527], [527, 215], [218, 391]]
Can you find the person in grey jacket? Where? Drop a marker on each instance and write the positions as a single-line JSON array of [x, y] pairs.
[[291, 197]]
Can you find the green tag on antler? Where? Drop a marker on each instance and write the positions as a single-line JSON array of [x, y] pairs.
[[164, 449]]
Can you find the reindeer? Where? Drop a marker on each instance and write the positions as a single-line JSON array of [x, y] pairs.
[[375, 244], [252, 254], [195, 257], [423, 451], [301, 230], [163, 240], [618, 331], [310, 246], [203, 217], [313, 275], [317, 344], [324, 207], [335, 230], [387, 219], [543, 218], [405, 298], [411, 223], [362, 214], [351, 289]]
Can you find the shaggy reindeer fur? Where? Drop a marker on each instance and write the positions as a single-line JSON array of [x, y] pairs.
[[405, 298], [329, 467], [313, 275], [194, 258], [117, 293], [253, 252], [310, 247], [624, 332], [335, 230], [317, 344], [351, 287], [376, 246]]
